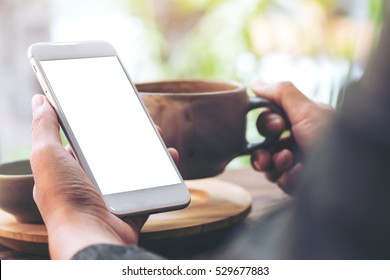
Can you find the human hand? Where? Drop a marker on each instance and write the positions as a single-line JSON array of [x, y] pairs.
[[308, 119], [73, 211]]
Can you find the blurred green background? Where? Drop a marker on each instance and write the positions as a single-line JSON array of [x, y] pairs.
[[319, 45]]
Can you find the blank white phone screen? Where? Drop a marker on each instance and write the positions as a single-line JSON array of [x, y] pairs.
[[111, 127]]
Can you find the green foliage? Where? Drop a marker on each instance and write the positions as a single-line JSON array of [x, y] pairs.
[[220, 32], [377, 11], [209, 49], [326, 4], [377, 14]]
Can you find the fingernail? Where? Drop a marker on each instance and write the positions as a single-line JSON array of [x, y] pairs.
[[37, 101], [275, 123], [256, 156], [256, 165]]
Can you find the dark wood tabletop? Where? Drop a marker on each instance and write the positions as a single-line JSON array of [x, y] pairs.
[[234, 244]]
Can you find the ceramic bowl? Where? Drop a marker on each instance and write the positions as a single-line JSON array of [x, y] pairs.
[[16, 187]]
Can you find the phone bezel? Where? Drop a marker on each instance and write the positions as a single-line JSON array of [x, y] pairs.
[[141, 201]]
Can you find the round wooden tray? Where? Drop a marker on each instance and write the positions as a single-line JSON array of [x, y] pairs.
[[215, 207]]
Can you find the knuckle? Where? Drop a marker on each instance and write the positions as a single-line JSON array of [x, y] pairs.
[[284, 88], [41, 154], [285, 85], [326, 109], [37, 121]]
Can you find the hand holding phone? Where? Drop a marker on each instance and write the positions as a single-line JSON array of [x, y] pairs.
[[110, 131], [71, 207]]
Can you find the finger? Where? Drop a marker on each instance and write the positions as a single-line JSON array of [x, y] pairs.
[[287, 181], [69, 149], [159, 130], [270, 124], [283, 160], [287, 162], [288, 143], [273, 175], [261, 160], [45, 126], [285, 142], [284, 94], [175, 155]]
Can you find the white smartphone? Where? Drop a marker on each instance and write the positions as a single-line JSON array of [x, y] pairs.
[[106, 124]]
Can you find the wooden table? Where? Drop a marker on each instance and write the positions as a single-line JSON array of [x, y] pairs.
[[237, 242]]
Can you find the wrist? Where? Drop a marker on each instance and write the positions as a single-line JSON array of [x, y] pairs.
[[71, 234]]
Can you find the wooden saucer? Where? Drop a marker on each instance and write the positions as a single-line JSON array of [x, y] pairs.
[[215, 207]]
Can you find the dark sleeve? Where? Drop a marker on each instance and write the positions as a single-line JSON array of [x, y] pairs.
[[342, 209], [114, 252]]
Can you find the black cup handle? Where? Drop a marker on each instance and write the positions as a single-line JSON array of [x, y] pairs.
[[258, 102]]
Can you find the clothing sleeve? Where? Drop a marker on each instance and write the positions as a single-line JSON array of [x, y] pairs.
[[342, 209], [114, 252]]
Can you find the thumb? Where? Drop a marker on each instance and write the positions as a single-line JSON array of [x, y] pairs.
[[45, 126], [286, 95]]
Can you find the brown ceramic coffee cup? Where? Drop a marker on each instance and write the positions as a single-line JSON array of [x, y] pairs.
[[204, 120], [16, 191]]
